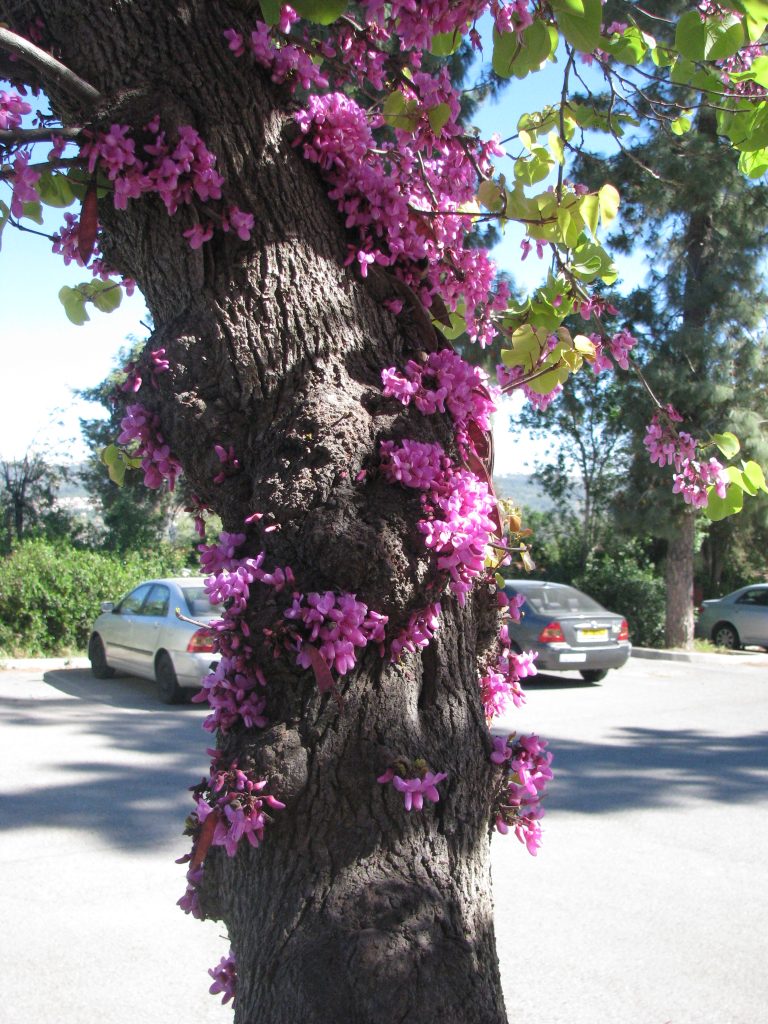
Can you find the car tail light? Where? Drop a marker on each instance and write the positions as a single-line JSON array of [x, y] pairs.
[[623, 630], [201, 642], [552, 634]]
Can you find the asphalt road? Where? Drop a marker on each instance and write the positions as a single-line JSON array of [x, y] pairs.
[[647, 904]]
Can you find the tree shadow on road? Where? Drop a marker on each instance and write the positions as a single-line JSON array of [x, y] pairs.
[[640, 768], [137, 795]]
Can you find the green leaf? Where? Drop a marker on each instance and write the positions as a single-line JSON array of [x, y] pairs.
[[720, 508], [535, 168], [691, 36], [754, 475], [401, 113], [443, 44], [105, 295], [117, 462], [589, 207], [527, 345], [631, 47], [32, 211], [556, 147], [506, 47], [55, 189], [73, 301], [457, 328], [548, 381], [608, 201], [513, 55], [270, 10], [728, 444], [681, 125], [579, 21], [756, 9], [725, 39], [4, 215], [754, 165], [322, 12], [491, 195], [439, 117]]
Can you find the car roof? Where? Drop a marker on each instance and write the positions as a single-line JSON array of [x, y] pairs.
[[180, 581], [523, 585]]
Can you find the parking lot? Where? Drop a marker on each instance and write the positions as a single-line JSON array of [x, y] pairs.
[[646, 905]]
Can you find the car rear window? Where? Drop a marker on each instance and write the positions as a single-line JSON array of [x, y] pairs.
[[198, 601], [560, 600]]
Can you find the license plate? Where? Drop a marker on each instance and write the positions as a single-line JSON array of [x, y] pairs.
[[593, 634]]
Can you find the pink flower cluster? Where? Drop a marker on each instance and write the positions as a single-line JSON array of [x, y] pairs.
[[501, 682], [24, 180], [619, 345], [526, 764], [224, 979], [240, 806], [513, 378], [418, 633], [416, 788], [335, 625], [457, 524], [383, 190], [12, 109], [230, 464], [692, 477], [229, 805], [142, 427], [445, 381], [286, 61], [157, 363], [66, 244], [234, 688], [178, 172]]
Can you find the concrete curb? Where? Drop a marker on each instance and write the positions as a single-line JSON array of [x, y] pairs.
[[698, 656], [41, 664]]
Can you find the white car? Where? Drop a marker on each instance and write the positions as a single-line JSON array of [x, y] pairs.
[[143, 636]]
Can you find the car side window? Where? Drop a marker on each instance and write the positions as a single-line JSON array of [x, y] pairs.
[[131, 603], [157, 602], [758, 597]]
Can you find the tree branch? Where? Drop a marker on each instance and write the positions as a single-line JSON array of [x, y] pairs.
[[48, 67]]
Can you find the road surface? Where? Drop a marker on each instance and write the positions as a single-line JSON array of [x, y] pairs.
[[647, 904]]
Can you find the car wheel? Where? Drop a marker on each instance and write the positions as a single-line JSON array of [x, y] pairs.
[[168, 689], [724, 635], [593, 675], [98, 658]]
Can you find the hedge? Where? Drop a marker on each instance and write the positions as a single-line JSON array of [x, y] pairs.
[[50, 593]]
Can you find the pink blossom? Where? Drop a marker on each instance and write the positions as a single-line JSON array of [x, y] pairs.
[[224, 978], [12, 109], [415, 789], [198, 234]]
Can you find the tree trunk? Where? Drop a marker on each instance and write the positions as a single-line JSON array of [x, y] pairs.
[[351, 909], [678, 631]]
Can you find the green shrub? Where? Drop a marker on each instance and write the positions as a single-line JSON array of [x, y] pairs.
[[50, 593], [624, 582]]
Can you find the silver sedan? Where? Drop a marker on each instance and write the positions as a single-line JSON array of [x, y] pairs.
[[143, 636], [738, 620]]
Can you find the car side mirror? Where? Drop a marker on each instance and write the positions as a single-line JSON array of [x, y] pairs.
[[107, 606]]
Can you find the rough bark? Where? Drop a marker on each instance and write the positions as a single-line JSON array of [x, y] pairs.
[[678, 629], [351, 909]]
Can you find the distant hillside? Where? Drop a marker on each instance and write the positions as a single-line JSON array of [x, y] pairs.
[[518, 487], [523, 490]]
